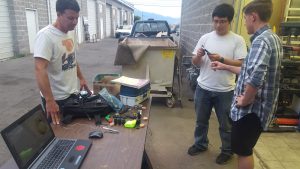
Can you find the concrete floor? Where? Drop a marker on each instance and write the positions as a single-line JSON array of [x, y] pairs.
[[170, 129]]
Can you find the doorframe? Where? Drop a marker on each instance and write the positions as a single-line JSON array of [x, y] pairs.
[[36, 21]]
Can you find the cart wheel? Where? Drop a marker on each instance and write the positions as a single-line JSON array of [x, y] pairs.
[[170, 102]]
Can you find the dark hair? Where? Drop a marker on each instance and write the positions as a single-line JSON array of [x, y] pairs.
[[263, 8], [62, 5], [224, 11]]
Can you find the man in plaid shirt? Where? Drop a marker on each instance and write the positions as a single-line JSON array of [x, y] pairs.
[[257, 89]]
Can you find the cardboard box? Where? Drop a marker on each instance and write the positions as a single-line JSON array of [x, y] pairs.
[[104, 81]]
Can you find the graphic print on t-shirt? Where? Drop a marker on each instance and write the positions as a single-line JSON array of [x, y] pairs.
[[68, 59]]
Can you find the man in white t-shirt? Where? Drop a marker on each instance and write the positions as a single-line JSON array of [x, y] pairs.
[[215, 87], [57, 71]]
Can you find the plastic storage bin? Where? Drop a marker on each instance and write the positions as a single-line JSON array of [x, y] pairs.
[[132, 96], [133, 92], [132, 101]]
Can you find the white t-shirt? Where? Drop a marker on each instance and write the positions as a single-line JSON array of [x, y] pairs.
[[59, 49], [230, 46]]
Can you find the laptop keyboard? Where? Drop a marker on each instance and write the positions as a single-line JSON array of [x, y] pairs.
[[57, 154]]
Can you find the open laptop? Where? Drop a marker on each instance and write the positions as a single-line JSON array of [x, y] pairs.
[[31, 142]]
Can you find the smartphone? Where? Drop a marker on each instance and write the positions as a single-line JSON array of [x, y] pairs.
[[207, 52]]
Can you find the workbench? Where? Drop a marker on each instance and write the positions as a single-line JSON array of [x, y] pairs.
[[124, 150]]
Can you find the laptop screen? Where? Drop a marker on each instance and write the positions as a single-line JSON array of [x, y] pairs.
[[28, 136]]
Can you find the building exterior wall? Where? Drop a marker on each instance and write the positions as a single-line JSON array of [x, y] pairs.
[[123, 8], [119, 4], [128, 17], [18, 21], [100, 18], [83, 7], [196, 21], [17, 16], [83, 14], [108, 20], [6, 44]]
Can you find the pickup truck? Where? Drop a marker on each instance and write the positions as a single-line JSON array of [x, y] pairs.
[[150, 29], [123, 30]]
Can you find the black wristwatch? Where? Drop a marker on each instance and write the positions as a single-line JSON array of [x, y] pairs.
[[222, 60]]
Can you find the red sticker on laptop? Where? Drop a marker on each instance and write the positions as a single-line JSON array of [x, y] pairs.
[[79, 147]]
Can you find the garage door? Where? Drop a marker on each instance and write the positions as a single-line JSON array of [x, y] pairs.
[[79, 30], [118, 17], [31, 27], [108, 21], [6, 44], [92, 18], [102, 27]]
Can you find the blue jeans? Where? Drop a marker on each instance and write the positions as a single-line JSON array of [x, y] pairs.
[[204, 102]]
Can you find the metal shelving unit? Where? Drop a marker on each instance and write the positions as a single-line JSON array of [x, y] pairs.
[[292, 11], [289, 81]]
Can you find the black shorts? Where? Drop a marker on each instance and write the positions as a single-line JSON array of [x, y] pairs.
[[244, 134]]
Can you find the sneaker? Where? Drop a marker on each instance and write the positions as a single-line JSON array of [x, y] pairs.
[[193, 150], [223, 158]]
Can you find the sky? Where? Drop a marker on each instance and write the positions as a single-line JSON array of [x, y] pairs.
[[171, 8]]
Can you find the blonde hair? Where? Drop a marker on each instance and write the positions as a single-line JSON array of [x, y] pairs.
[[263, 8]]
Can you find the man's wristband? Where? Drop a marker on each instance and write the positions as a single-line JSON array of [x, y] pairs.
[[222, 60]]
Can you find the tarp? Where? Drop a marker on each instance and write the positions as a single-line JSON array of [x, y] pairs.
[[130, 50]]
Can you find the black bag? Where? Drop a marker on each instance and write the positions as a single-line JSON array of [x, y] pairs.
[[90, 106]]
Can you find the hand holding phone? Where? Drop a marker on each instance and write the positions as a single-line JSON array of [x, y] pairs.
[[207, 52]]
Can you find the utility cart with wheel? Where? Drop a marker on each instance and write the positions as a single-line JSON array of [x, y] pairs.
[[150, 58]]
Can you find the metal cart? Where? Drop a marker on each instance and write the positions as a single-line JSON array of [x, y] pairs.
[[154, 60]]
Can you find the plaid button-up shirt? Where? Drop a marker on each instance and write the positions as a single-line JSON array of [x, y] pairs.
[[261, 69]]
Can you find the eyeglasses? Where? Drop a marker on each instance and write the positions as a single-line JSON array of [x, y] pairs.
[[221, 22]]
